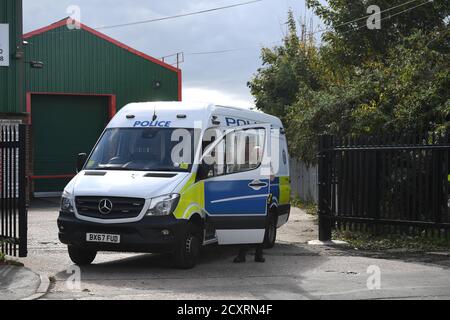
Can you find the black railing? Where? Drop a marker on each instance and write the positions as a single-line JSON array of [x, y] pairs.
[[384, 185], [13, 212]]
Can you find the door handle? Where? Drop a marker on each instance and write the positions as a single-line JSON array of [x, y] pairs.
[[258, 185]]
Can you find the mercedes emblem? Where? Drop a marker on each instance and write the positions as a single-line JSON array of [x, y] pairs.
[[105, 206]]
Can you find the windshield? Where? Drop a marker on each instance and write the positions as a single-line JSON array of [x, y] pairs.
[[144, 149]]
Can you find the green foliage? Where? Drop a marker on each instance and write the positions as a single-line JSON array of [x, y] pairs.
[[307, 206], [368, 241], [354, 44], [360, 81], [5, 261], [285, 69]]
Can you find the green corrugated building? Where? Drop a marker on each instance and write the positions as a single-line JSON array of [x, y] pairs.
[[86, 77], [11, 76]]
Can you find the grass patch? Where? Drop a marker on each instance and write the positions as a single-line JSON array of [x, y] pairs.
[[13, 263], [309, 207], [6, 262], [368, 241]]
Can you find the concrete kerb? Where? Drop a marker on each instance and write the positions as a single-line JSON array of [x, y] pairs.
[[327, 243], [43, 288]]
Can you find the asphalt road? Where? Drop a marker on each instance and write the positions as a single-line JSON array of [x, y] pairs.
[[293, 270], [17, 283]]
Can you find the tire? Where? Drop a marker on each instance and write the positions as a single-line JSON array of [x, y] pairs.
[[81, 256], [270, 236], [187, 248]]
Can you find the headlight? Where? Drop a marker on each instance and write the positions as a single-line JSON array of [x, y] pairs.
[[66, 203], [163, 206]]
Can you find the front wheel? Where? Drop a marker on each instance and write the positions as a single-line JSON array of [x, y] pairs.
[[270, 236], [187, 248], [81, 256]]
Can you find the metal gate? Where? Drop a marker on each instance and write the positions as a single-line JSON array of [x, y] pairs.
[[13, 211], [384, 185]]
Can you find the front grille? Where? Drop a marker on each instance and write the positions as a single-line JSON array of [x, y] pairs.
[[122, 208]]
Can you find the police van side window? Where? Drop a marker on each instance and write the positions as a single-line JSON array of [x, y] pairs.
[[244, 150], [239, 151]]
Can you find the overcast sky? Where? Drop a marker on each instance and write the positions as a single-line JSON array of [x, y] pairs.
[[219, 78]]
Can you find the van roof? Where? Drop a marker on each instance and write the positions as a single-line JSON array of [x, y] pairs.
[[168, 111]]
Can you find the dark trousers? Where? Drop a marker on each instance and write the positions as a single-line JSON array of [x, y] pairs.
[[243, 249]]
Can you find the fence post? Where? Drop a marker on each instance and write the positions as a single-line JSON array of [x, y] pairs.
[[23, 214], [324, 185]]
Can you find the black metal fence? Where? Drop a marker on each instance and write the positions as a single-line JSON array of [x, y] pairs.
[[384, 185], [13, 212]]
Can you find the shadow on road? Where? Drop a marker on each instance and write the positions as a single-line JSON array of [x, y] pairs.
[[153, 274], [215, 273]]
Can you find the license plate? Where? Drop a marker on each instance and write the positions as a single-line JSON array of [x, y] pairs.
[[101, 237]]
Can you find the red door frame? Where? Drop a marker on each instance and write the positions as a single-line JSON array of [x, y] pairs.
[[112, 109]]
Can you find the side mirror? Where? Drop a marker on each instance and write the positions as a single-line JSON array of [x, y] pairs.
[[81, 160]]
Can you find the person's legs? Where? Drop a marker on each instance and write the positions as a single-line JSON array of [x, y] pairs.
[[259, 254], [242, 254]]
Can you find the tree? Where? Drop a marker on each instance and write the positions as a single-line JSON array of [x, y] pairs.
[[285, 70], [360, 81], [353, 43]]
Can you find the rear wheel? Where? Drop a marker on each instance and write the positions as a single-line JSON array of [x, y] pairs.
[[81, 256], [187, 248], [270, 236]]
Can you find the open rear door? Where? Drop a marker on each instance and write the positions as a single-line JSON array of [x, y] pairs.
[[236, 193]]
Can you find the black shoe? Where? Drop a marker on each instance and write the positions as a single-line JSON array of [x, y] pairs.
[[239, 259], [260, 259]]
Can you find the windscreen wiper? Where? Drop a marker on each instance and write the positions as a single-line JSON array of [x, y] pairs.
[[114, 169]]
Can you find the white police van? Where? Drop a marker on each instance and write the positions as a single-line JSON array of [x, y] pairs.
[[173, 176]]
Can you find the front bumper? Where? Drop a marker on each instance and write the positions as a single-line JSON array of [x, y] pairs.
[[142, 236]]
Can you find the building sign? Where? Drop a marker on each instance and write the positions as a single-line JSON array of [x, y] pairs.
[[4, 45]]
